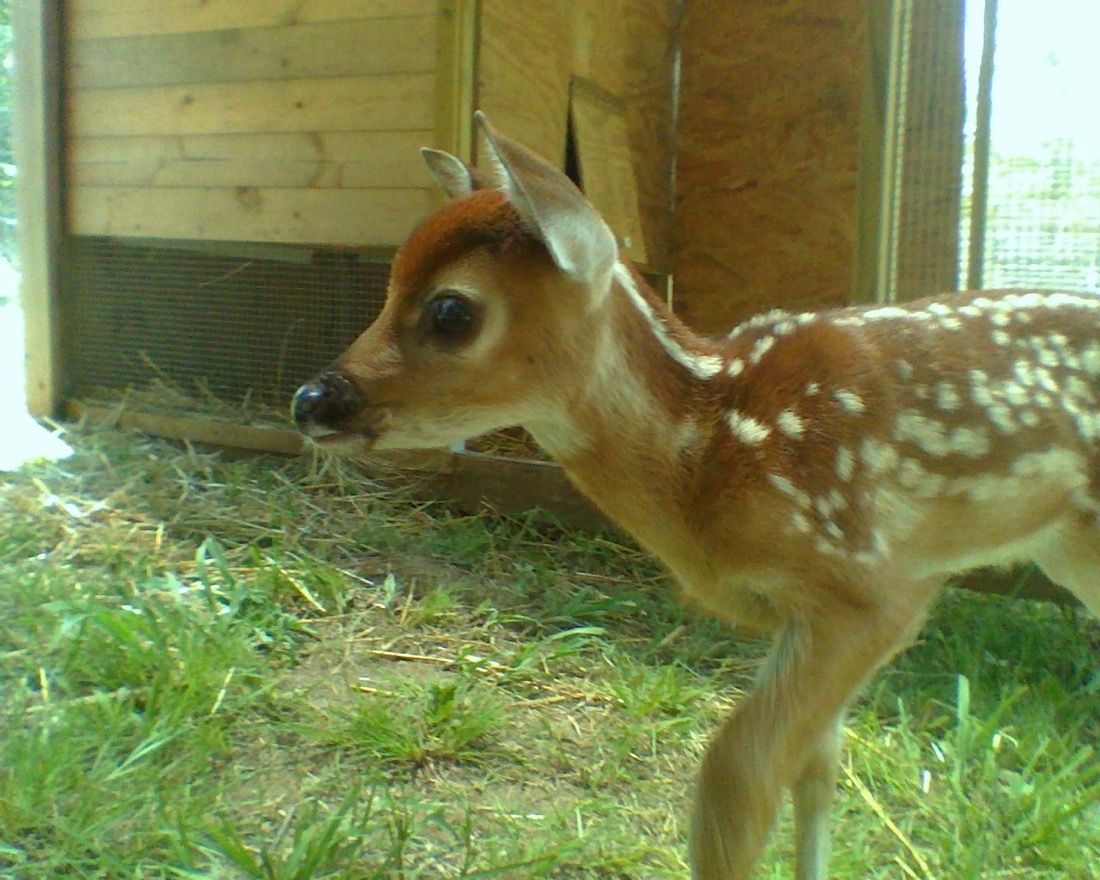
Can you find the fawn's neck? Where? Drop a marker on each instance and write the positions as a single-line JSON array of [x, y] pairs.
[[641, 425]]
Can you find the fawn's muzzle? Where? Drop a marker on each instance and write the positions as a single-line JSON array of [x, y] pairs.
[[328, 401]]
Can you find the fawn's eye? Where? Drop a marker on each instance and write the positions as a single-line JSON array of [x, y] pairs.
[[450, 316]]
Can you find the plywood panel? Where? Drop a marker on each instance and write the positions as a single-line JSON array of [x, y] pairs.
[[525, 64], [377, 216], [607, 165], [342, 48], [531, 49], [649, 94], [335, 159], [380, 103], [767, 156], [115, 18]]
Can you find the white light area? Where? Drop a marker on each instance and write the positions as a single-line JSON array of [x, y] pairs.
[[23, 440], [1046, 73]]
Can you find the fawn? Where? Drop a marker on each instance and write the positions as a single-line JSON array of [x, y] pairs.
[[814, 476]]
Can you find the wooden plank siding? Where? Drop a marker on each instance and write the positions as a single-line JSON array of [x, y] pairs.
[[120, 18], [351, 160], [244, 121], [293, 216], [341, 48]]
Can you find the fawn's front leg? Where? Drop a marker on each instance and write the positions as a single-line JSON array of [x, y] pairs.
[[785, 732], [812, 793]]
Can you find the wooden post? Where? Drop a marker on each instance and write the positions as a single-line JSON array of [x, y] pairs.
[[979, 200], [879, 152], [38, 121], [456, 77]]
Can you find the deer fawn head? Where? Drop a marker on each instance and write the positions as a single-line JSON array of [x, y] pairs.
[[487, 302]]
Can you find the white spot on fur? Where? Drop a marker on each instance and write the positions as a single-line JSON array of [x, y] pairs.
[[1016, 394], [756, 322], [999, 337], [1024, 373], [1090, 359], [813, 388], [791, 424], [689, 437], [1001, 417], [761, 348], [920, 482], [1046, 381], [878, 457], [1060, 466], [849, 401], [747, 429], [789, 489], [845, 463], [1079, 388], [947, 397], [905, 369], [736, 367], [934, 437], [702, 366], [891, 312]]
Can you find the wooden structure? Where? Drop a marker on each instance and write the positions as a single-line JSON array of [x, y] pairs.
[[227, 179], [299, 123], [819, 155]]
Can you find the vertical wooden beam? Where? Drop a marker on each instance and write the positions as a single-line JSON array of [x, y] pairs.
[[38, 126], [878, 151], [979, 200], [456, 76]]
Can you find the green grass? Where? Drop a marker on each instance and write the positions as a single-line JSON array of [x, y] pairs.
[[266, 668]]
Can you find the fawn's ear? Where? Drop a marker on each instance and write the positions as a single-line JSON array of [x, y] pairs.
[[579, 241], [450, 172]]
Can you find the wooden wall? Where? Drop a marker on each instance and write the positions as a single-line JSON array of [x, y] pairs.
[[282, 120], [768, 144], [298, 121]]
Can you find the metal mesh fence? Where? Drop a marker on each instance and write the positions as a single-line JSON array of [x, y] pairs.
[[1007, 193], [1039, 215], [249, 326]]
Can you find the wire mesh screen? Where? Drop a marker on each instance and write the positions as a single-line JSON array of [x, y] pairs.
[[993, 159], [235, 328], [931, 144], [1040, 220]]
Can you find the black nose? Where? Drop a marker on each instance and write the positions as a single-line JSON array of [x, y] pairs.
[[328, 400]]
